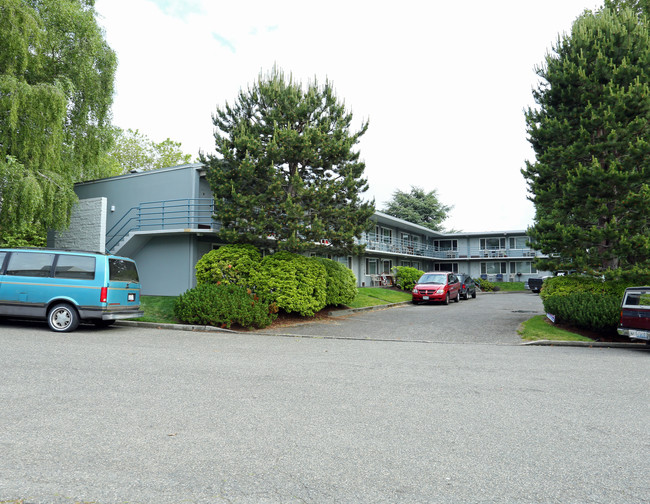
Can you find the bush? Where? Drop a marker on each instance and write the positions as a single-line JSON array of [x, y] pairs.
[[486, 285], [294, 282], [224, 305], [406, 277], [341, 283], [230, 264], [583, 301]]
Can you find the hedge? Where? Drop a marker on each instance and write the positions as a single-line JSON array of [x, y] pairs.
[[341, 283], [230, 264], [294, 282], [224, 305], [406, 277]]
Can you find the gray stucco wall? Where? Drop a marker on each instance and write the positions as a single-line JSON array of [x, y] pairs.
[[87, 229], [128, 191], [166, 265]]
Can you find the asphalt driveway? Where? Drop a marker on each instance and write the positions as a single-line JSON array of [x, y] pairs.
[[491, 318]]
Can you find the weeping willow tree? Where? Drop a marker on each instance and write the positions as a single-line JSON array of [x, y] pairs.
[[56, 90]]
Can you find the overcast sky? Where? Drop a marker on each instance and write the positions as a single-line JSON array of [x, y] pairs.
[[443, 84]]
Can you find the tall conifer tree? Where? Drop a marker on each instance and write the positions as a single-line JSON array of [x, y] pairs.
[[286, 168], [591, 137]]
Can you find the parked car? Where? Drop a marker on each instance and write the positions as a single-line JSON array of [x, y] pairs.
[[467, 286], [67, 287], [635, 314], [534, 284], [436, 286]]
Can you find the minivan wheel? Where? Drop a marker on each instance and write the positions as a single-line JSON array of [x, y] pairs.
[[62, 318], [474, 295], [457, 298], [446, 301]]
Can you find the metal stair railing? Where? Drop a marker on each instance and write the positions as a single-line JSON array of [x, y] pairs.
[[159, 215]]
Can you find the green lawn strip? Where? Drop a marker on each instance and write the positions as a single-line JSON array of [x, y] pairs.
[[539, 328], [510, 286], [158, 309], [373, 296]]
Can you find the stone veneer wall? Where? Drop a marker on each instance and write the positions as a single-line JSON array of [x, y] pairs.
[[87, 229]]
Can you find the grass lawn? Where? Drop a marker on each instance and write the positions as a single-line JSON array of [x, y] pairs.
[[510, 286], [539, 328], [373, 296], [158, 309]]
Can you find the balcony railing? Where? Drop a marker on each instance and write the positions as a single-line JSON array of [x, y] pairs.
[[417, 249], [190, 213]]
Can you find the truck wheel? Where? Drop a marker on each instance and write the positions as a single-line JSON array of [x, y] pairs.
[[62, 318]]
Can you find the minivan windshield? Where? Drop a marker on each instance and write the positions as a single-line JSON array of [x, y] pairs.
[[123, 271], [438, 278]]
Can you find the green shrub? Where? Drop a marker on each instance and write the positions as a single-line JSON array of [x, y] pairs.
[[406, 277], [486, 285], [586, 310], [230, 264], [224, 305], [294, 282], [341, 282], [585, 302]]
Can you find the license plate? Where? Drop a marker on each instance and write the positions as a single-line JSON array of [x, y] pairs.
[[425, 298], [131, 296], [639, 334]]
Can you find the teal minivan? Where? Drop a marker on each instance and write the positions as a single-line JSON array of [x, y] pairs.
[[67, 287]]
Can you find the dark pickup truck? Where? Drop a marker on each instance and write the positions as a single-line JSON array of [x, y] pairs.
[[635, 314], [535, 284]]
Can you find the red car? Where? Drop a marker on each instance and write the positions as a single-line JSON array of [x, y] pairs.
[[437, 286]]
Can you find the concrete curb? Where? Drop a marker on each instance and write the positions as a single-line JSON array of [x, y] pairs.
[[588, 344], [350, 311], [177, 327]]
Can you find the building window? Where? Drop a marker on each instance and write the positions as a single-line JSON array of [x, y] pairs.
[[522, 267], [453, 267], [493, 243], [371, 266], [386, 235], [518, 242], [387, 266], [445, 245], [493, 268]]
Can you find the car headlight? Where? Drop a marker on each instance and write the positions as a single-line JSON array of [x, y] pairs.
[[440, 291], [415, 291]]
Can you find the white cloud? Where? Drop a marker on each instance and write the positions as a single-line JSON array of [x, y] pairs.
[[444, 84]]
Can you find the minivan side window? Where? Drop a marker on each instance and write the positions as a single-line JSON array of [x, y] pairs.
[[122, 271], [76, 267], [30, 264]]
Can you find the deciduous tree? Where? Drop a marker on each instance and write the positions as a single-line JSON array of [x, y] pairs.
[[56, 90], [286, 167], [590, 133]]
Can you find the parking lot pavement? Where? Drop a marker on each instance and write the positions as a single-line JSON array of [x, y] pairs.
[[131, 415], [490, 318]]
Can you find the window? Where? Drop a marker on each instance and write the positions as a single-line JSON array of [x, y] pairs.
[[453, 267], [493, 243], [386, 266], [493, 268], [122, 271], [371, 266], [518, 242], [522, 267], [445, 245], [73, 266], [386, 235], [30, 264]]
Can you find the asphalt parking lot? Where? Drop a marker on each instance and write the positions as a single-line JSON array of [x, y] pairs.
[[136, 415]]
